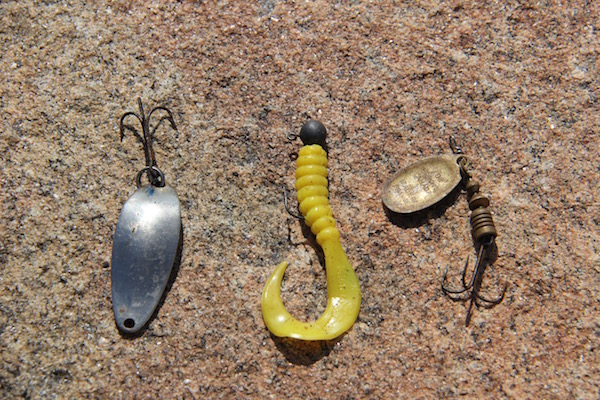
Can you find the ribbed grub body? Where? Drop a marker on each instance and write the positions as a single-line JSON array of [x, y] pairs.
[[343, 288], [313, 195]]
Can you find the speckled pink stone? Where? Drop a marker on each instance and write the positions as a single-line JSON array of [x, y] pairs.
[[517, 86]]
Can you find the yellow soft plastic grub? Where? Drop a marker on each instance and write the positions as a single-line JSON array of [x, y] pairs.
[[343, 289]]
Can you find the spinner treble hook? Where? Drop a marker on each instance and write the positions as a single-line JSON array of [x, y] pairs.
[[484, 235]]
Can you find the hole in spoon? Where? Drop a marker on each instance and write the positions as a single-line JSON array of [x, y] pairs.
[[129, 323]]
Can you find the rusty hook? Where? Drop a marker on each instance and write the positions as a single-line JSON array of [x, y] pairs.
[[155, 175], [474, 298], [484, 235]]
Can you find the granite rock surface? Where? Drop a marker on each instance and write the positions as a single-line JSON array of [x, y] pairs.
[[516, 83]]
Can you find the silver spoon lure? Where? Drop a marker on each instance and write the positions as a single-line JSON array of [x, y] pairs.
[[147, 237]]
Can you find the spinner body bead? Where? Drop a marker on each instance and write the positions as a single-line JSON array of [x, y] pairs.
[[482, 223]]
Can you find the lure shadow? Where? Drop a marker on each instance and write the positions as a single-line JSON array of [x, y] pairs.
[[310, 239], [304, 352], [420, 218], [170, 282]]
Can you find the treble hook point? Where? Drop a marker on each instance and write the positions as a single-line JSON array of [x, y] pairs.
[[155, 175]]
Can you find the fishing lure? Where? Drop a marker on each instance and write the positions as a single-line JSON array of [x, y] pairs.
[[425, 183], [343, 288], [147, 237]]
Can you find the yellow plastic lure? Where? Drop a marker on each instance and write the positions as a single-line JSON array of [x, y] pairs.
[[343, 289]]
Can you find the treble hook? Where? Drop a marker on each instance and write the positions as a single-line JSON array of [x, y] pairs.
[[475, 284], [484, 235], [155, 175], [343, 288]]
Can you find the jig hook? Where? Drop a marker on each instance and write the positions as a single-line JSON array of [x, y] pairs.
[[287, 208], [484, 235], [155, 175], [343, 288]]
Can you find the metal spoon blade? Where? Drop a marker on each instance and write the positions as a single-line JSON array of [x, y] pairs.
[[144, 250]]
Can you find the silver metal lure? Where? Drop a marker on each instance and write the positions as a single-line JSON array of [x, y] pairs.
[[147, 237]]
